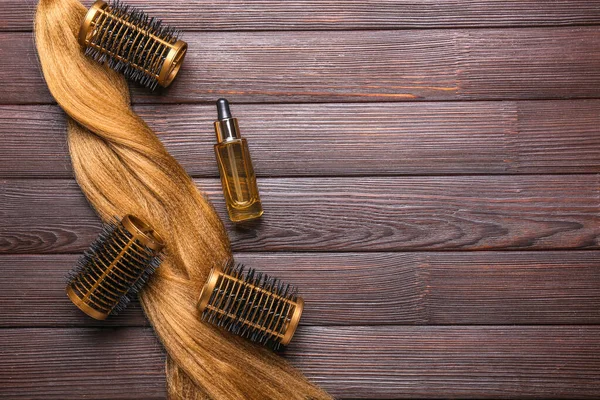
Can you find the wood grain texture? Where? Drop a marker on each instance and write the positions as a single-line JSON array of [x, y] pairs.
[[408, 154], [465, 288], [321, 139], [430, 362], [536, 63], [81, 363], [346, 214], [235, 15]]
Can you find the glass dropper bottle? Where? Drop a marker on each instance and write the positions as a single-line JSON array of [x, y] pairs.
[[235, 167]]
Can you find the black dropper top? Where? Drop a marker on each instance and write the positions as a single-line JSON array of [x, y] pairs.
[[223, 109]]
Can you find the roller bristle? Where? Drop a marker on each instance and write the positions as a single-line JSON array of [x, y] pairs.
[[131, 42], [138, 285], [112, 270], [84, 261], [251, 304]]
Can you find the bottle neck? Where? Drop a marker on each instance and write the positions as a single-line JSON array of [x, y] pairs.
[[227, 130]]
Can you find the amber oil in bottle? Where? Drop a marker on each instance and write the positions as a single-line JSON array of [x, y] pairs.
[[235, 166]]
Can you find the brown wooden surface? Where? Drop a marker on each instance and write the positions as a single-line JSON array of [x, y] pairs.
[[236, 15], [399, 65], [430, 172], [421, 361], [482, 288], [510, 137], [346, 214]]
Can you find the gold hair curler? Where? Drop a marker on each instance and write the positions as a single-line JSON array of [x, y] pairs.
[[132, 43], [251, 304], [115, 267]]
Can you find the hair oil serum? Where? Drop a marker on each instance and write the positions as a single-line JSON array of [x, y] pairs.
[[235, 166]]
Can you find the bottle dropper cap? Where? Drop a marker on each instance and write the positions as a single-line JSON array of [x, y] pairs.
[[223, 110], [226, 127]]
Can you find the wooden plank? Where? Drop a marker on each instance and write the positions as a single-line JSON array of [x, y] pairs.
[[527, 64], [81, 363], [536, 63], [346, 214], [33, 142], [474, 288], [547, 136], [342, 139], [442, 362], [430, 362], [208, 15]]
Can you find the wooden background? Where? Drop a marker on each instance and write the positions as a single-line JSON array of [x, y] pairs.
[[430, 173]]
